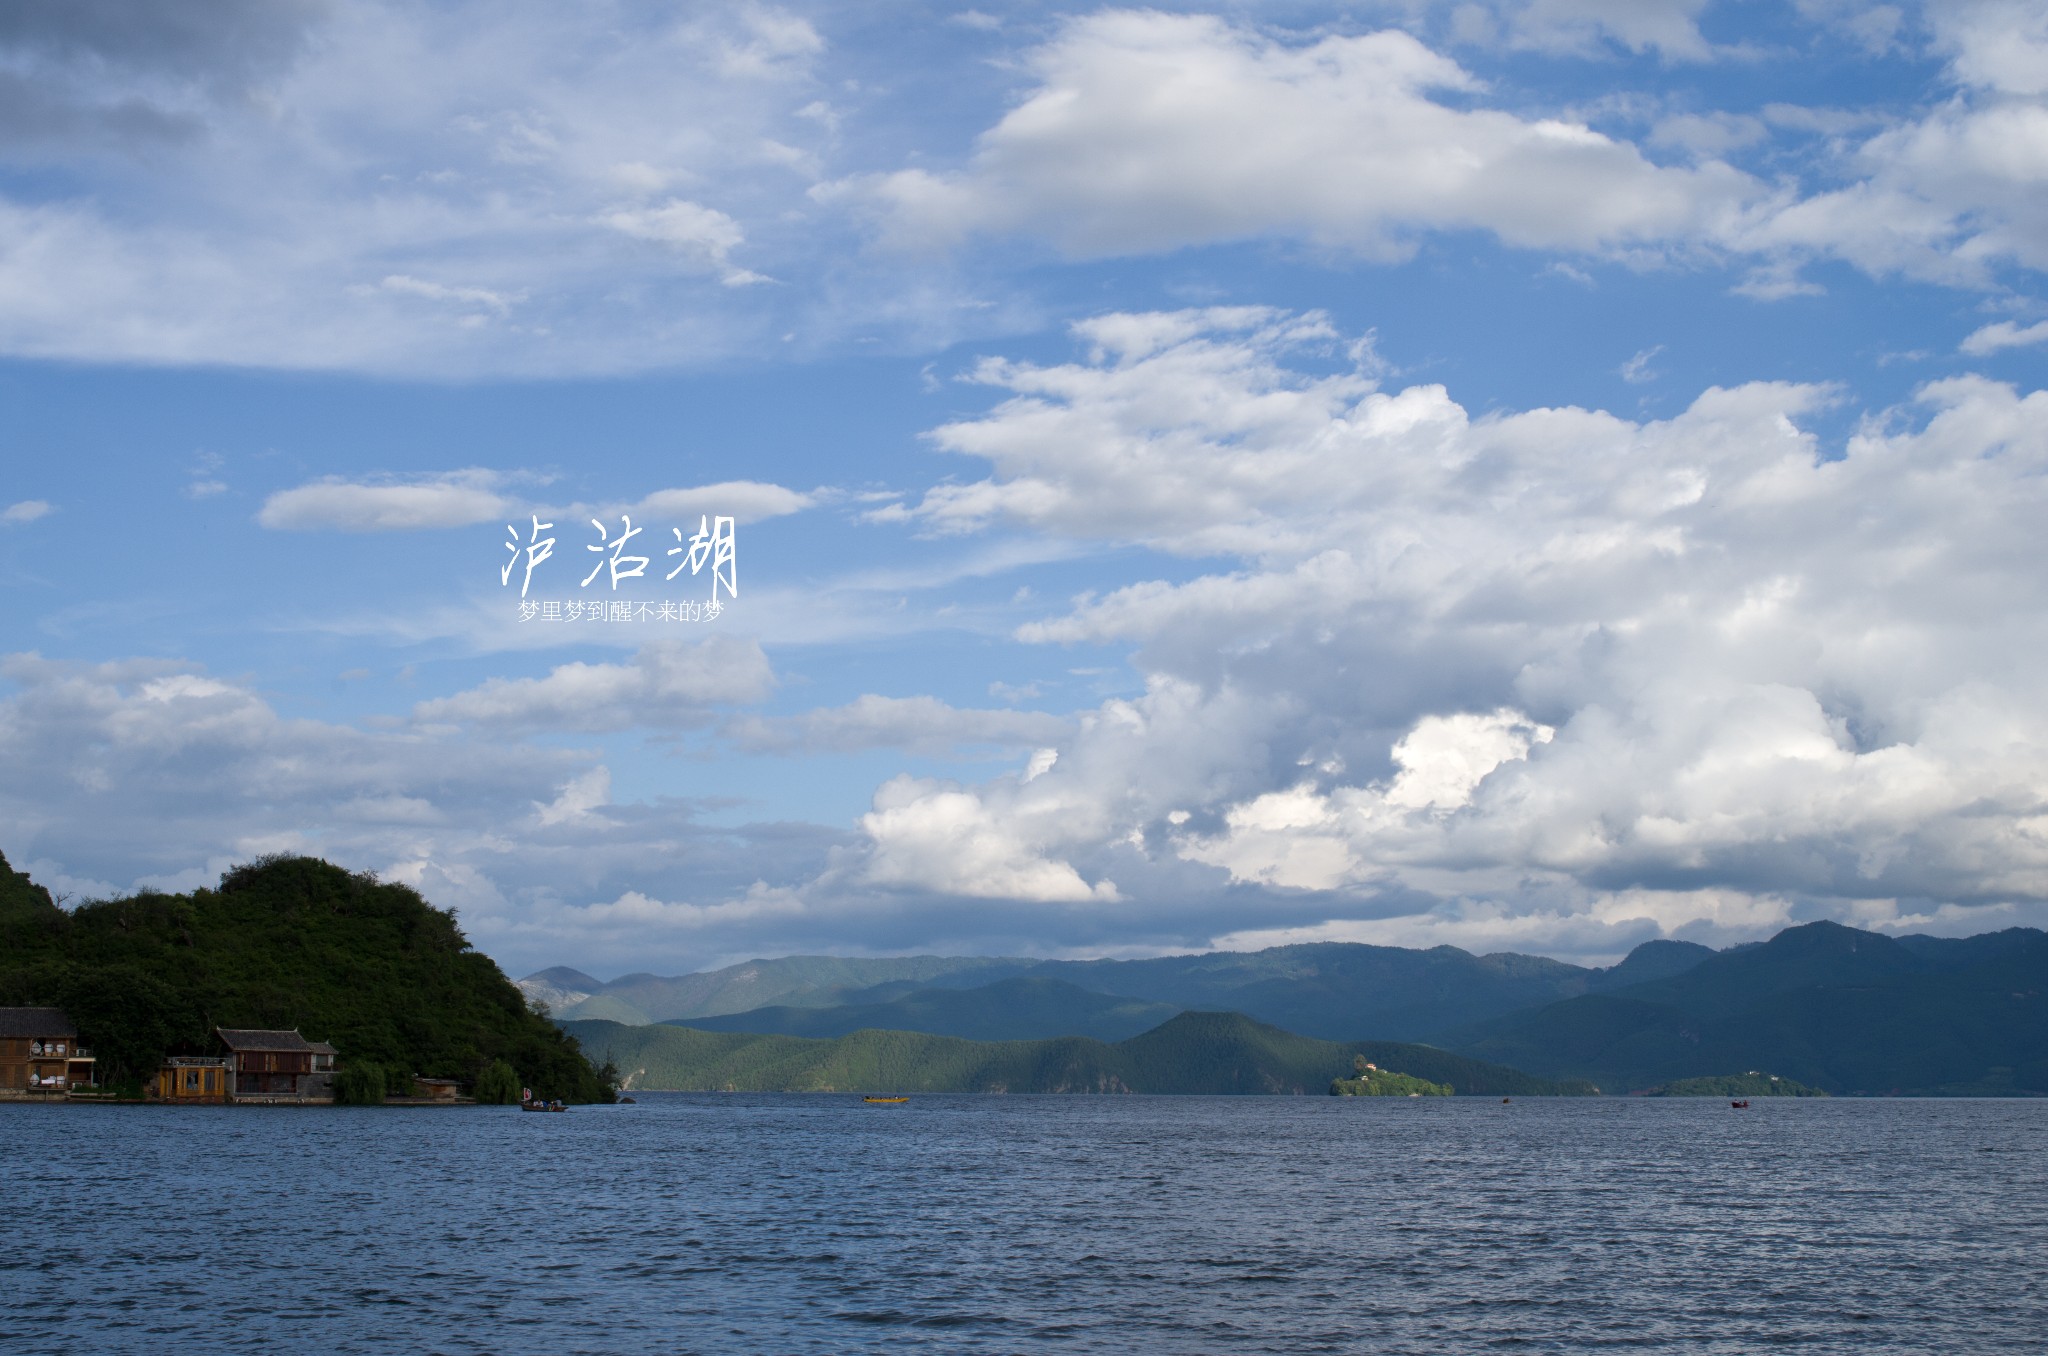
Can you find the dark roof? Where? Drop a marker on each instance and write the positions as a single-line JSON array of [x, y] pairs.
[[321, 1048], [238, 1040], [35, 1022]]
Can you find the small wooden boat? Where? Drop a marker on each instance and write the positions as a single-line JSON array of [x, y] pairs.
[[542, 1106], [1740, 1106], [884, 1100]]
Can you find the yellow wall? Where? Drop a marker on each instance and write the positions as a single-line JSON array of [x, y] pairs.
[[171, 1083]]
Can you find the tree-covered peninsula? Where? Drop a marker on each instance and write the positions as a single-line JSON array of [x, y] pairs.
[[284, 942]]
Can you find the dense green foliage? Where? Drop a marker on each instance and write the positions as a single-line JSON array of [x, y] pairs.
[[1839, 1009], [1368, 1080], [1195, 1052], [497, 1085], [1735, 1085], [286, 942]]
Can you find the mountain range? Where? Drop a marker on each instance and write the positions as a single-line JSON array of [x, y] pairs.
[[1331, 990], [1193, 1052], [1844, 1010]]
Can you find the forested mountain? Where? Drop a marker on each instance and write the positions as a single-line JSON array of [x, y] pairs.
[[1841, 1009]]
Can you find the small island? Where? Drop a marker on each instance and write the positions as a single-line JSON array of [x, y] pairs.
[[1743, 1085], [1370, 1080]]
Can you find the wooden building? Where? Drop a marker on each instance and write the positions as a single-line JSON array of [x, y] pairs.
[[189, 1078], [270, 1066], [435, 1089], [40, 1055]]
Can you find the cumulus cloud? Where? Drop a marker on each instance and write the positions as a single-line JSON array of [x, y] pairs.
[[27, 511], [941, 839], [460, 499], [665, 684], [1554, 662], [1151, 131]]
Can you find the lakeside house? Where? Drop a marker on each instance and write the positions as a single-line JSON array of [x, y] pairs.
[[193, 1078], [276, 1066], [40, 1055]]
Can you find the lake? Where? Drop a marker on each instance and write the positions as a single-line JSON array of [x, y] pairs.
[[747, 1223]]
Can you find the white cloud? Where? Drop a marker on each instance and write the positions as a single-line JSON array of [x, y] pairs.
[[665, 684], [2003, 334], [1151, 131], [1548, 663], [580, 795], [936, 838], [745, 501], [1999, 45], [1637, 369], [27, 511], [692, 230], [458, 190], [459, 499]]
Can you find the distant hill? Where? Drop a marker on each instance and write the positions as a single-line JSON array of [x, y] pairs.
[[1194, 1052], [1333, 990], [1841, 1009], [1023, 1008], [284, 942]]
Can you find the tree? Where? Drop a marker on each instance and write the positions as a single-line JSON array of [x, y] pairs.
[[498, 1084], [360, 1085]]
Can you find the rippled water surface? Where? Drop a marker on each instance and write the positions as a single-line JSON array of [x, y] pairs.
[[1062, 1224]]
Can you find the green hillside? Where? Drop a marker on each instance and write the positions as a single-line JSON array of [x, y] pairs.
[[1834, 1007], [284, 942], [1022, 1008], [1194, 1052]]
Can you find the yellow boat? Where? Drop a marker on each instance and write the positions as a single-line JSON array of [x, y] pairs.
[[885, 1099]]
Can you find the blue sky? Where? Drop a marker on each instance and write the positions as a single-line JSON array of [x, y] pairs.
[[1533, 475]]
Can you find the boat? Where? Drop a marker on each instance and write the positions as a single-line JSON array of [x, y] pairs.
[[542, 1106], [888, 1100], [1742, 1105]]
